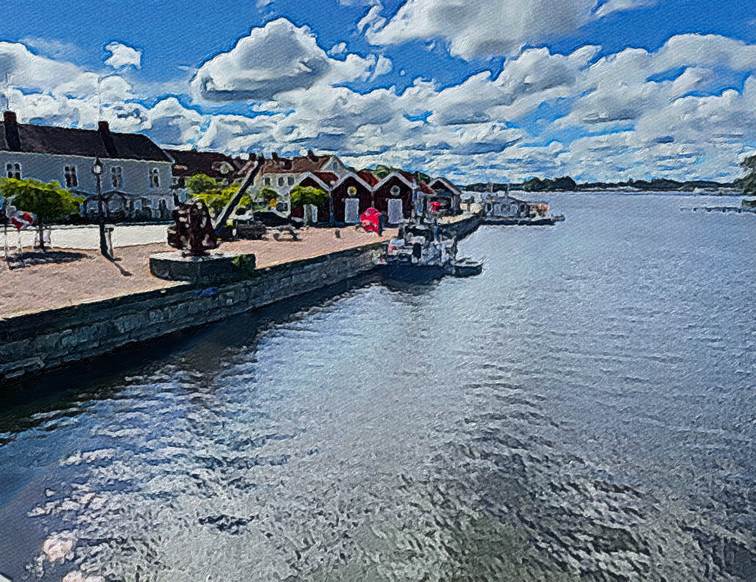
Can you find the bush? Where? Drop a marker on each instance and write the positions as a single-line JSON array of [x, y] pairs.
[[301, 195]]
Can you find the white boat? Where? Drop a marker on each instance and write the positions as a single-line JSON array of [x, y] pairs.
[[508, 210], [421, 252]]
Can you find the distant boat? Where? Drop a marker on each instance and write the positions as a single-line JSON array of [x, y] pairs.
[[508, 210]]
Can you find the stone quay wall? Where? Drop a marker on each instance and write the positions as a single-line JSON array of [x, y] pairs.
[[463, 228], [51, 339]]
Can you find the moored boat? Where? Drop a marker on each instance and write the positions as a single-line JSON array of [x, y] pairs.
[[510, 211], [422, 252]]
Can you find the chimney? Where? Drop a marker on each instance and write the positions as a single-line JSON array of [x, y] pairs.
[[311, 155], [10, 124], [107, 138]]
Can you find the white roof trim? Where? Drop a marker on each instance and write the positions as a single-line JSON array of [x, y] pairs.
[[301, 178], [447, 183], [356, 176], [398, 175]]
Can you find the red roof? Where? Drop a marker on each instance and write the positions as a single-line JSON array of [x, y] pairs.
[[191, 162], [425, 189], [327, 177], [408, 176], [296, 165], [368, 177]]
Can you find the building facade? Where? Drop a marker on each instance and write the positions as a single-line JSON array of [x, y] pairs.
[[284, 174], [188, 163], [135, 181]]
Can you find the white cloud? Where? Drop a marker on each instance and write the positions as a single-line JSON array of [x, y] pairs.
[[54, 48], [383, 65], [620, 5], [338, 49], [372, 20], [29, 70], [640, 113], [481, 28], [271, 60], [123, 56]]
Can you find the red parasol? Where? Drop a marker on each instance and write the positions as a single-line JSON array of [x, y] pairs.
[[370, 220]]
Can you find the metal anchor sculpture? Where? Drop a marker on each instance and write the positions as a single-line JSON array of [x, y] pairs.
[[194, 232]]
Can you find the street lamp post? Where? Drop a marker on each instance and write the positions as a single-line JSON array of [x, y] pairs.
[[97, 171]]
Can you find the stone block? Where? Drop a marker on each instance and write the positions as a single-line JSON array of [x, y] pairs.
[[210, 269]]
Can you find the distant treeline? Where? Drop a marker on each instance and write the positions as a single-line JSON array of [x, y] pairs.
[[567, 184]]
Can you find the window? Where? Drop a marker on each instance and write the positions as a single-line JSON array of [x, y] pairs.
[[72, 180], [13, 171], [280, 181], [266, 181], [154, 178], [290, 179], [116, 177]]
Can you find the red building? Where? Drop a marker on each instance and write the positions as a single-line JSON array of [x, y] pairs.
[[394, 195], [352, 195], [322, 181]]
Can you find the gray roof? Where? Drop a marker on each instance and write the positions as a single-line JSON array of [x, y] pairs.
[[42, 139]]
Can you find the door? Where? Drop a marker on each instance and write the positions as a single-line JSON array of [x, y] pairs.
[[395, 214], [311, 213], [352, 210]]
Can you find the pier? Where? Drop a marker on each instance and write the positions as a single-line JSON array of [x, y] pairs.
[[60, 313]]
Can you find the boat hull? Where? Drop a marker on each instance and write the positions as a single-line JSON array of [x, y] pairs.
[[513, 221], [466, 268], [413, 273]]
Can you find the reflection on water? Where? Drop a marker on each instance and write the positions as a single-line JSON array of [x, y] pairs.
[[582, 410]]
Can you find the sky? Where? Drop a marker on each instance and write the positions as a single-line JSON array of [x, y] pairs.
[[477, 90]]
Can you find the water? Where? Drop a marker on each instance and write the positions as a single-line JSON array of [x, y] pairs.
[[585, 409]]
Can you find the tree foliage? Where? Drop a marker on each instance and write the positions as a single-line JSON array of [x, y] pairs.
[[48, 202], [301, 195], [268, 195], [748, 183], [381, 171], [215, 194]]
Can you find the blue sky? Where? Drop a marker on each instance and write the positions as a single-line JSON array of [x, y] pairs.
[[479, 90]]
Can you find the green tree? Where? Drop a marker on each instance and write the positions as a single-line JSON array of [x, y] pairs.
[[49, 202], [301, 195], [748, 183], [201, 184], [215, 194], [268, 196]]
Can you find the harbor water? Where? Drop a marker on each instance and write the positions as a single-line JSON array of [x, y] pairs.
[[584, 409]]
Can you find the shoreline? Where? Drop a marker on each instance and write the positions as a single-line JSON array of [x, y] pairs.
[[38, 341]]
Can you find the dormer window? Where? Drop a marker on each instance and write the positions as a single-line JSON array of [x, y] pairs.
[[116, 177], [72, 180], [13, 171], [154, 178]]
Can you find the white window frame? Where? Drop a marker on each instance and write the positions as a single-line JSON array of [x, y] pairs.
[[14, 170], [71, 176], [290, 180], [116, 175], [280, 180], [155, 178], [266, 180]]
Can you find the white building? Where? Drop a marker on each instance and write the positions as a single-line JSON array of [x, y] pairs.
[[283, 174], [136, 178]]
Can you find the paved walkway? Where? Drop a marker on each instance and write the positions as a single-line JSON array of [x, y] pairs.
[[88, 237], [84, 276]]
